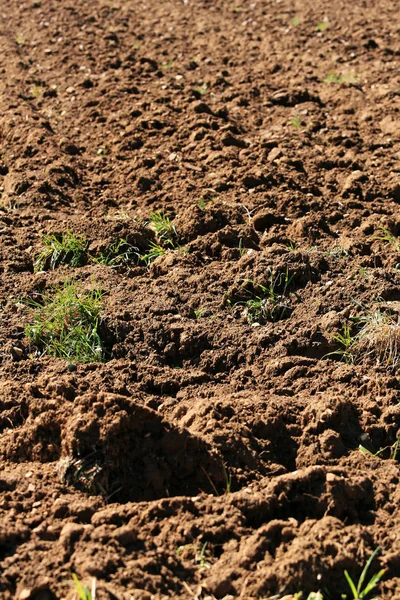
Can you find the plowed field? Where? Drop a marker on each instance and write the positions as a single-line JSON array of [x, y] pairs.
[[229, 176]]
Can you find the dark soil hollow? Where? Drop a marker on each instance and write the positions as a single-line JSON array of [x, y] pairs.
[[233, 170]]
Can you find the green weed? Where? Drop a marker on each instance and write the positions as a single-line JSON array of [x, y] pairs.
[[389, 238], [292, 246], [322, 26], [358, 590], [200, 558], [202, 89], [393, 450], [66, 324], [167, 65], [83, 591], [67, 249], [163, 227], [336, 251], [155, 250], [119, 253], [36, 91], [85, 473], [201, 203], [345, 342], [242, 249], [295, 21], [296, 122], [340, 78], [271, 303]]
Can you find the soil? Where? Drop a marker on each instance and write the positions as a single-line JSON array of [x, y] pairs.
[[213, 454]]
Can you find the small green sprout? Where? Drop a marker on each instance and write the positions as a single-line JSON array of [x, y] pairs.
[[393, 450], [202, 89], [200, 558], [36, 91], [201, 203], [358, 590], [83, 591], [336, 251], [199, 312], [167, 65], [389, 238], [295, 21], [340, 78], [345, 341], [323, 25], [296, 122], [292, 246], [241, 248]]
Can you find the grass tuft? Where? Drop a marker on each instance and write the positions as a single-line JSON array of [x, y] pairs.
[[379, 338], [155, 250], [270, 303], [60, 250], [118, 254], [163, 227], [66, 324]]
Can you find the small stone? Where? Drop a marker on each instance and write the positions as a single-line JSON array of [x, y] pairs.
[[351, 182], [70, 90], [16, 352], [70, 533], [274, 154]]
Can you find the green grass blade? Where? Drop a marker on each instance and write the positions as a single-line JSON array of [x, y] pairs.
[[365, 571], [351, 585], [373, 582]]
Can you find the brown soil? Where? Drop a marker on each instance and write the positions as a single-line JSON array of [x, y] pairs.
[[208, 456]]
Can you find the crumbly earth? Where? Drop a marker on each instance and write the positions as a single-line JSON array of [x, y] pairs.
[[213, 454]]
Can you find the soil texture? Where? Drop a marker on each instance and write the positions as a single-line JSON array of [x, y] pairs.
[[232, 170]]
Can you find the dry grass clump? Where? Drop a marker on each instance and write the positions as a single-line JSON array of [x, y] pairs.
[[379, 339]]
